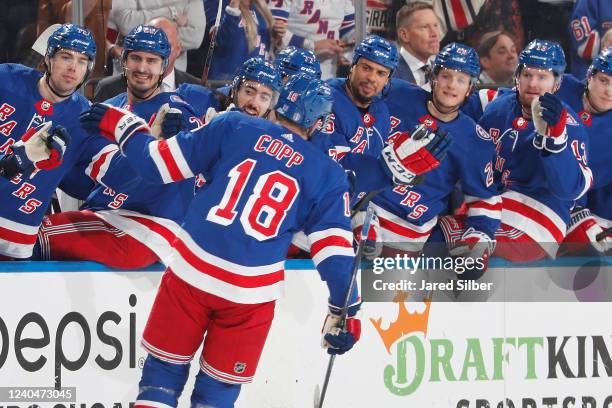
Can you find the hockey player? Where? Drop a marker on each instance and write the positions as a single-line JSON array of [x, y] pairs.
[[226, 271], [540, 161], [408, 215], [113, 226], [252, 91], [292, 61], [30, 99], [593, 102]]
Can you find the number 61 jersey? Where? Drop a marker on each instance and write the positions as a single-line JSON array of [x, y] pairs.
[[263, 185]]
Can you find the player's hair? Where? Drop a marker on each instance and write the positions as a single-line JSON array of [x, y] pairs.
[[488, 41], [408, 10]]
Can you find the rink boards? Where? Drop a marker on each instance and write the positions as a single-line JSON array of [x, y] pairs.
[[79, 325]]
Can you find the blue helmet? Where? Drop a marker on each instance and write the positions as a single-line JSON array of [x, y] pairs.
[[72, 37], [377, 50], [293, 60], [148, 39], [258, 70], [459, 57], [543, 54], [304, 100], [601, 63]]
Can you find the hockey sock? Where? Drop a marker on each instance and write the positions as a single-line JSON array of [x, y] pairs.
[[161, 383], [211, 393]]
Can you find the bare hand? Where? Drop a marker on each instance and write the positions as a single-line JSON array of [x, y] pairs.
[[327, 48], [279, 28], [181, 19]]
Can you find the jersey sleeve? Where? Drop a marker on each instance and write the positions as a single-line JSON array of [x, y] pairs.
[[280, 10], [484, 204], [179, 157], [348, 22], [328, 229], [568, 174], [229, 25]]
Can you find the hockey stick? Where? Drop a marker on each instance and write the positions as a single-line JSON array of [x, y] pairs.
[[604, 234], [211, 46], [319, 398]]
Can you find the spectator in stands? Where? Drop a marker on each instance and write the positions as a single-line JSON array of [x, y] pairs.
[[323, 27], [418, 35], [17, 29], [111, 86], [96, 18], [245, 31], [588, 24], [498, 58], [187, 14], [606, 40]]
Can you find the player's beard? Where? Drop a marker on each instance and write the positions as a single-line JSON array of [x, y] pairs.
[[362, 99]]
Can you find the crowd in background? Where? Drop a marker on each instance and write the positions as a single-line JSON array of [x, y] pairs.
[[496, 28]]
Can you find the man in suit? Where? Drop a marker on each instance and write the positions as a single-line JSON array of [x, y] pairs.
[[419, 36], [114, 85]]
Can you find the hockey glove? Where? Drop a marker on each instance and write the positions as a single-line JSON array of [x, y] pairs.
[[477, 247], [549, 118], [339, 340], [373, 244], [167, 122], [583, 229], [40, 148], [115, 124], [411, 155]]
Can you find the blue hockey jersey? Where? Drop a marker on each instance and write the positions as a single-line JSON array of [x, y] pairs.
[[599, 198], [478, 101], [539, 187], [408, 214], [24, 201], [588, 23], [264, 184]]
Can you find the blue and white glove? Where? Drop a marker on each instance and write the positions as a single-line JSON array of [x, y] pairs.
[[549, 119], [113, 123], [338, 340], [410, 155], [40, 148]]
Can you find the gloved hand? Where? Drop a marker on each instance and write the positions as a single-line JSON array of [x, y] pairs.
[[211, 112], [373, 245], [549, 119], [167, 122], [40, 148], [411, 155], [338, 340], [115, 124], [477, 246], [584, 228]]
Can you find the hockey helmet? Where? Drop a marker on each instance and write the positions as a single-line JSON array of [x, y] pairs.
[[305, 100]]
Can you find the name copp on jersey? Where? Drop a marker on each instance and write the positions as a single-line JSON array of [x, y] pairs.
[[539, 188], [24, 201], [599, 198], [410, 213], [264, 185]]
